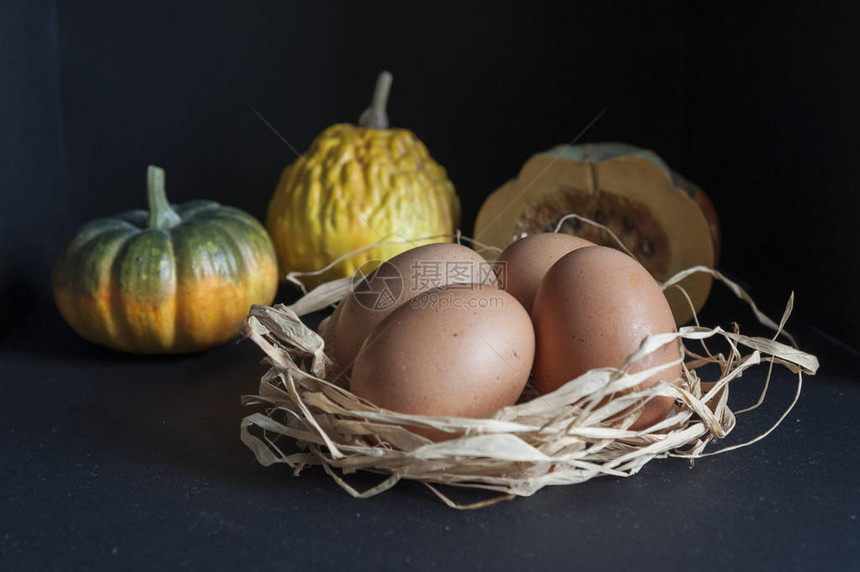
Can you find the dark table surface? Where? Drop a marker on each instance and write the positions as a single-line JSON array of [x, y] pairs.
[[110, 461]]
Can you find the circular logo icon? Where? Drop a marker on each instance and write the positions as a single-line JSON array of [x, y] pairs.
[[377, 286]]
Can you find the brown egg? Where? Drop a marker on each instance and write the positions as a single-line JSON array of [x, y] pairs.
[[398, 281], [451, 351], [524, 263], [594, 307]]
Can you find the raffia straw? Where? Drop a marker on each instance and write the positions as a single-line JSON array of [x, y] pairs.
[[565, 437]]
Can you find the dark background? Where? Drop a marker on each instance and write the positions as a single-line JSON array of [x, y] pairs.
[[755, 103], [112, 461]]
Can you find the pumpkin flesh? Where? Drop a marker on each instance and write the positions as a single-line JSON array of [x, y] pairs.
[[631, 194]]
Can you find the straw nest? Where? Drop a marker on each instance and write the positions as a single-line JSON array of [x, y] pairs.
[[554, 439]]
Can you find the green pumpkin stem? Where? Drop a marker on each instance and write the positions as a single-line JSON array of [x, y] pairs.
[[161, 215], [375, 116]]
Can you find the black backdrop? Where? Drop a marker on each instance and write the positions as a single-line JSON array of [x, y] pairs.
[[754, 103]]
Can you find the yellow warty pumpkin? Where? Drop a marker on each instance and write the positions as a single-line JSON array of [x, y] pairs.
[[357, 186]]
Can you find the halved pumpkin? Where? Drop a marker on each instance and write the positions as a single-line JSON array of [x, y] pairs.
[[658, 215]]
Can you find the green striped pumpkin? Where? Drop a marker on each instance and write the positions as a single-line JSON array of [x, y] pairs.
[[173, 279]]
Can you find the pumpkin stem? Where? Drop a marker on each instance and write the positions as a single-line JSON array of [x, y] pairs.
[[161, 215], [375, 116]]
